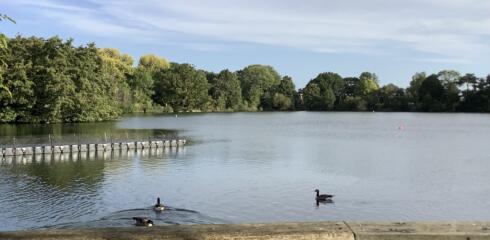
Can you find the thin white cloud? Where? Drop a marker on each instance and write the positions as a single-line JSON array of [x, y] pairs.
[[443, 60], [448, 29], [47, 4], [85, 23]]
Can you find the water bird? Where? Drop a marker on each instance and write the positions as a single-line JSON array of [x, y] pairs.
[[143, 222], [159, 206], [322, 197]]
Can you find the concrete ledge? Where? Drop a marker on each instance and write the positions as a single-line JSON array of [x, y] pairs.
[[283, 231], [421, 230]]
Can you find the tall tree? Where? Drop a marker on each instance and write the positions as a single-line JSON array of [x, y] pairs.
[[450, 81], [330, 80], [368, 83], [182, 87], [330, 88], [467, 80], [53, 81], [257, 80], [153, 63], [432, 94], [318, 98], [449, 77], [392, 98], [117, 68], [142, 81], [478, 98], [283, 95], [352, 86], [413, 90], [226, 91], [4, 90]]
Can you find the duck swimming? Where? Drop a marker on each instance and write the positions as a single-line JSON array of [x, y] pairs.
[[322, 197], [143, 222], [158, 207]]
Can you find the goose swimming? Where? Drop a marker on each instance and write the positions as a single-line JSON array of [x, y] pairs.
[[322, 197], [159, 206], [143, 222]]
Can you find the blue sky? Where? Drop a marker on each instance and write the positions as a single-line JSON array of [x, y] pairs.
[[392, 38]]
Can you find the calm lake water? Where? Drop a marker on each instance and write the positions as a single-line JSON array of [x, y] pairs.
[[256, 167]]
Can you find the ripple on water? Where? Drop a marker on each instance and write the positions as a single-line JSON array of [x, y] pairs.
[[264, 167], [124, 218]]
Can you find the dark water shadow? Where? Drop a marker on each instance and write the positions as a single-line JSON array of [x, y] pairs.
[[324, 202]]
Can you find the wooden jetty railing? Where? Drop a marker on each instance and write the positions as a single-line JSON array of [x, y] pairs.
[[89, 147]]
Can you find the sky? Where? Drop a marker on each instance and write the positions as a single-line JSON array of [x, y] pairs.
[[299, 38]]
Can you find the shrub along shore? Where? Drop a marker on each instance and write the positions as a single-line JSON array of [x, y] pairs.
[[51, 80]]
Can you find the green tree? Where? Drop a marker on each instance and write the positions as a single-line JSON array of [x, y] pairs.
[[432, 94], [478, 98], [468, 79], [417, 80], [286, 87], [351, 98], [256, 81], [283, 95], [141, 82], [352, 86], [392, 98], [37, 77], [321, 92], [413, 90], [116, 69], [449, 77], [153, 63], [368, 83], [368, 90], [53, 81], [318, 98], [450, 81], [182, 87], [282, 102], [332, 81], [3, 54], [354, 103], [226, 91]]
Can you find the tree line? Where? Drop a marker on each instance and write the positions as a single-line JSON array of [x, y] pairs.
[[445, 91], [51, 80]]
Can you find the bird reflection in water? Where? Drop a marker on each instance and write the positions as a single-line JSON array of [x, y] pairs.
[[323, 202]]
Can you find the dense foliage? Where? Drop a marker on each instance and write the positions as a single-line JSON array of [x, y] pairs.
[[446, 91], [51, 80]]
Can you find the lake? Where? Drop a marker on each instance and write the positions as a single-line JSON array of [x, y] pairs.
[[256, 167]]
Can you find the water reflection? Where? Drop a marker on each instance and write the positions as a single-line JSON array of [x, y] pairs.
[[75, 133], [324, 202], [41, 190], [261, 167], [58, 170]]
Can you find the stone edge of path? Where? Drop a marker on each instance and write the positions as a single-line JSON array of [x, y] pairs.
[[311, 230]]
